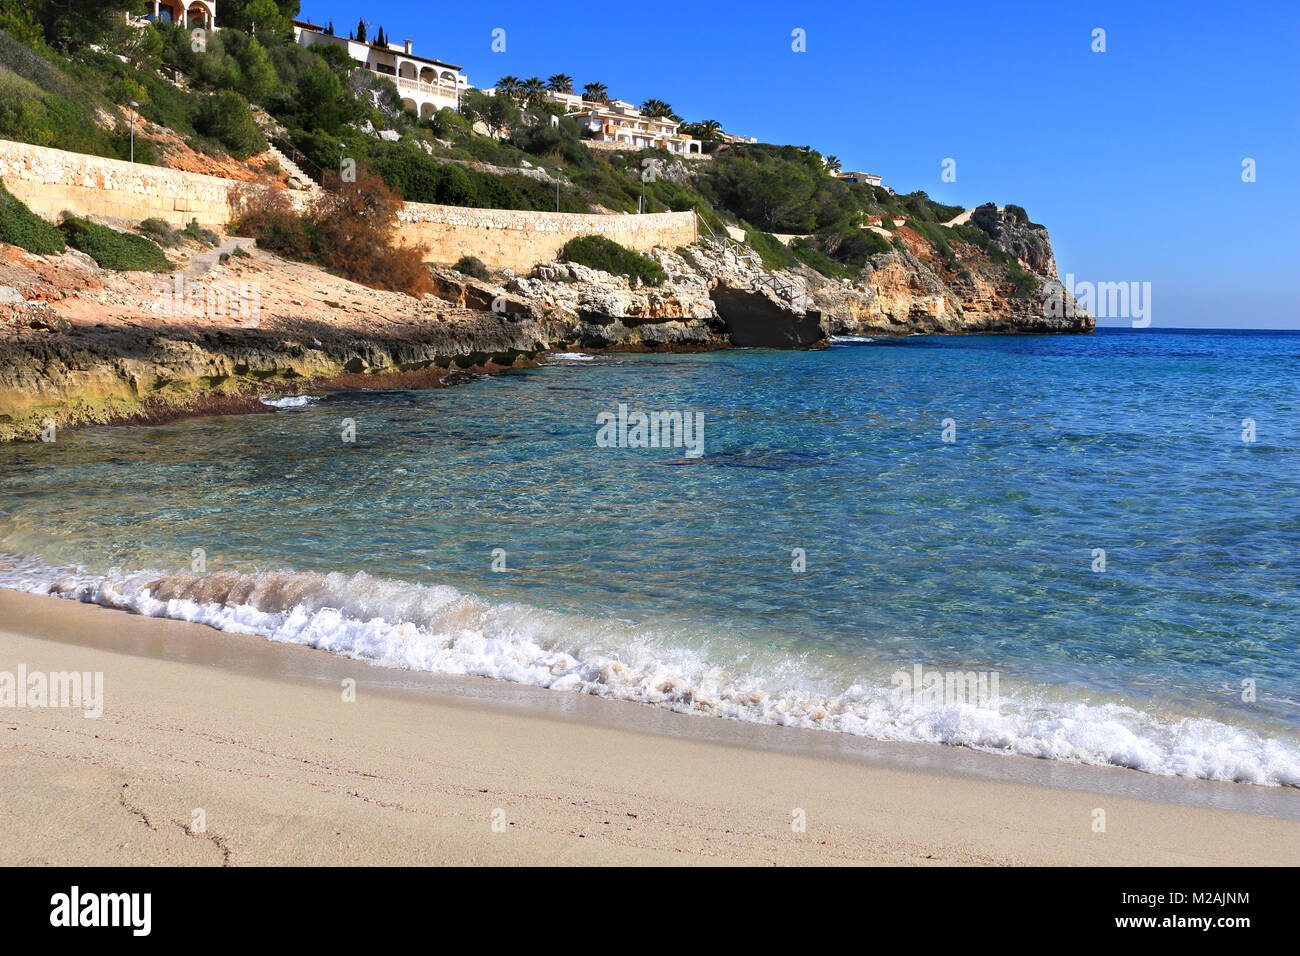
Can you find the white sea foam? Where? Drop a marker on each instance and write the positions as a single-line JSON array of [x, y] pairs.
[[441, 629], [573, 356], [847, 339], [290, 401]]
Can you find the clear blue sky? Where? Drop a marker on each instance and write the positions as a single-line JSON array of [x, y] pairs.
[[1131, 157]]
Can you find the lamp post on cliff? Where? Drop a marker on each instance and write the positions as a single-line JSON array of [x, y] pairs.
[[134, 107], [558, 170]]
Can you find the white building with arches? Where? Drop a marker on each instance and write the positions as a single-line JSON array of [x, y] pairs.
[[425, 85], [185, 13], [618, 121]]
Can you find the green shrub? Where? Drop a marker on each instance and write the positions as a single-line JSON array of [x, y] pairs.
[[840, 252], [21, 227], [597, 252], [774, 253], [969, 232], [810, 256], [161, 232], [471, 266], [1024, 283], [225, 118], [711, 219], [196, 233], [918, 205], [112, 249]]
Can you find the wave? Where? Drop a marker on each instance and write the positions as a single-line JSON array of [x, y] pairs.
[[290, 401], [850, 339], [573, 356], [440, 629]]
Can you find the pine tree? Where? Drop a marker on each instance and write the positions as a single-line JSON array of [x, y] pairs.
[[361, 31], [330, 29]]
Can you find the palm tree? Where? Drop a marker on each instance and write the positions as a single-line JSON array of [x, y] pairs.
[[508, 86], [596, 92], [533, 90], [703, 130], [560, 83], [833, 164], [657, 108]]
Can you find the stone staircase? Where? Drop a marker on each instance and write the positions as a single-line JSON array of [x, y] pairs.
[[297, 178]]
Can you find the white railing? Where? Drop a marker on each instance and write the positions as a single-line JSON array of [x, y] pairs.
[[448, 90]]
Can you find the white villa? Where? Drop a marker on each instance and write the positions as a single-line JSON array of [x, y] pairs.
[[425, 85], [733, 138], [870, 179], [186, 13], [621, 122]]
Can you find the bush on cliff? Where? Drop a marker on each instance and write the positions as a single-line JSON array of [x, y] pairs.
[[271, 218], [597, 252], [807, 253], [1023, 282], [778, 189], [196, 233], [471, 266], [112, 249], [225, 118], [419, 177], [21, 227], [774, 253], [918, 205], [349, 230], [849, 247]]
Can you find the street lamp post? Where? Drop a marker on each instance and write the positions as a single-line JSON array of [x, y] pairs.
[[134, 107], [557, 188]]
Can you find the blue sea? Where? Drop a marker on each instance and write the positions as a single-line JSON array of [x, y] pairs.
[[1105, 529]]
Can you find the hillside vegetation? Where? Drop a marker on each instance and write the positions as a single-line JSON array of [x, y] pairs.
[[67, 67]]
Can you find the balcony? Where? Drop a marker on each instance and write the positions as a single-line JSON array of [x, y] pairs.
[[410, 85]]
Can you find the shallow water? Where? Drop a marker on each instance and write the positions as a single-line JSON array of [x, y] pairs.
[[652, 575]]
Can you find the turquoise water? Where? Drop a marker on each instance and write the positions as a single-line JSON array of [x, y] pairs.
[[647, 574]]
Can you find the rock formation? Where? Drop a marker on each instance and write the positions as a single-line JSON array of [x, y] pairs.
[[78, 344]]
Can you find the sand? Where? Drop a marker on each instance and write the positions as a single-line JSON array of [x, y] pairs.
[[257, 740]]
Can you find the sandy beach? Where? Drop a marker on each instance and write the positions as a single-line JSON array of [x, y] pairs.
[[257, 741]]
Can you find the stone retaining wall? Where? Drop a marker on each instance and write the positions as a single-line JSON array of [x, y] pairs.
[[514, 239], [51, 181]]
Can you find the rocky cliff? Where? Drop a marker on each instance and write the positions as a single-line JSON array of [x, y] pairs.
[[717, 294], [81, 345]]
